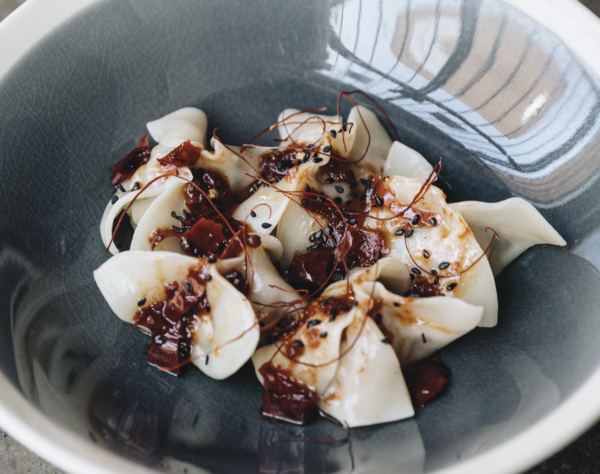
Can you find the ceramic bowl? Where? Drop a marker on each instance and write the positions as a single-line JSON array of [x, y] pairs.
[[510, 102]]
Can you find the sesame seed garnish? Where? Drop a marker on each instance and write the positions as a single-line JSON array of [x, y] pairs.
[[425, 254], [336, 277], [174, 227], [329, 229], [355, 304], [423, 337], [253, 214], [396, 304], [434, 271], [173, 214], [114, 199], [312, 238], [333, 133], [312, 247], [142, 302], [412, 277], [409, 233], [207, 277], [379, 201], [333, 312], [351, 221], [212, 259], [187, 286], [307, 188], [186, 214], [416, 271], [436, 280], [399, 232], [415, 220], [339, 189], [136, 186], [443, 265], [344, 127], [353, 184], [208, 307], [206, 363], [346, 308], [304, 202], [451, 286], [364, 181], [338, 200], [323, 334], [353, 194], [329, 180], [317, 160], [266, 225], [327, 149], [378, 318], [313, 322], [298, 343], [307, 156], [121, 188], [386, 340], [433, 221], [318, 234]]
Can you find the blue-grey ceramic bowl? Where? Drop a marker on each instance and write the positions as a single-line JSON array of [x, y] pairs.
[[510, 104]]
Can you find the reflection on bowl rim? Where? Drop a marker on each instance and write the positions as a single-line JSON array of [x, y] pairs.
[[573, 23]]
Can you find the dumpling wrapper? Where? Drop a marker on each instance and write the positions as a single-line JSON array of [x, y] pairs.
[[406, 162], [177, 127], [368, 387], [131, 276], [450, 241], [518, 224]]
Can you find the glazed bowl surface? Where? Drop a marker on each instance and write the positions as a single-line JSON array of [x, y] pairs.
[[510, 102]]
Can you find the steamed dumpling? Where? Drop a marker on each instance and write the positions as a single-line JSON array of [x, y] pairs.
[[137, 277]]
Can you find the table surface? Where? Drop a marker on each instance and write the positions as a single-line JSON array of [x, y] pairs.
[[581, 457]]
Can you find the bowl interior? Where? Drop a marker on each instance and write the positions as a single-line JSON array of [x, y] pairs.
[[508, 107]]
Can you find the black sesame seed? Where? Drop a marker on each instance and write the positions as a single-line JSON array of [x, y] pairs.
[[338, 200], [298, 343], [333, 133], [344, 127], [253, 214], [378, 318], [323, 334], [386, 340], [409, 233], [188, 287], [206, 363], [280, 165], [416, 271], [179, 218], [208, 307], [451, 286], [212, 259], [312, 247], [114, 199], [313, 322], [312, 238], [415, 220], [329, 230], [339, 189], [412, 277], [425, 254], [186, 214], [304, 202], [353, 185], [142, 302], [351, 221], [436, 280], [396, 304], [434, 271], [399, 232], [336, 277], [121, 188], [136, 186], [423, 337], [379, 201], [355, 304], [327, 149], [317, 160], [353, 194], [315, 154], [320, 199], [346, 308], [207, 277], [266, 225], [307, 188], [329, 180], [364, 181], [333, 312], [318, 234], [307, 156], [174, 227], [443, 265], [173, 214], [433, 222]]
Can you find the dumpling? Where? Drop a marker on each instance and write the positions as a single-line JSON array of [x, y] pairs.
[[225, 334], [518, 224], [177, 127], [406, 162]]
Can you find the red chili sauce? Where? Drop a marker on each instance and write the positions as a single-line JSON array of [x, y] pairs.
[[426, 379], [137, 157]]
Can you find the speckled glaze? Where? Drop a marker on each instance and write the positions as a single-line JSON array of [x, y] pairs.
[[503, 101]]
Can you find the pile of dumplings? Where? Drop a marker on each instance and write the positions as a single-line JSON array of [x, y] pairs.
[[365, 385]]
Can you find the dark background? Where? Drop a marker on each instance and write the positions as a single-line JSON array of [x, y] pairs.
[[582, 456]]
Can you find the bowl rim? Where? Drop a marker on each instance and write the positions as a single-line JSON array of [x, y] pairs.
[[569, 20]]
